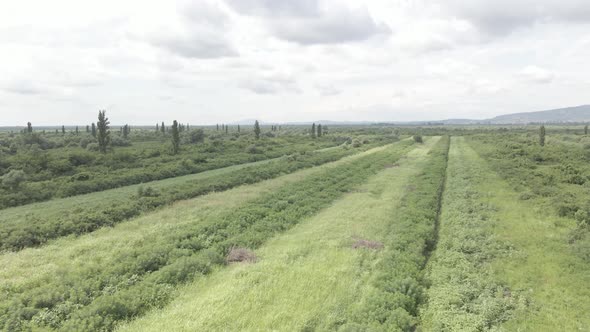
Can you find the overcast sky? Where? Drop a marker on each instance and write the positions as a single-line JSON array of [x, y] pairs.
[[275, 60]]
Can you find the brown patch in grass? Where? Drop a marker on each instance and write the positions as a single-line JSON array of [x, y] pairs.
[[363, 243], [391, 165], [237, 255]]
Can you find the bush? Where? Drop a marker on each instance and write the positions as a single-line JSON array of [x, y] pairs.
[[13, 179]]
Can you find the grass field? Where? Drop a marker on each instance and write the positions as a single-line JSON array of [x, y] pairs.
[[448, 235], [305, 279]]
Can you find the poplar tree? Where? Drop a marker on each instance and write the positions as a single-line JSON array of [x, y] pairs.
[[93, 130], [319, 130], [77, 131], [104, 136], [256, 129], [175, 137], [157, 127], [586, 130], [163, 128], [238, 128], [542, 136], [217, 126], [63, 130], [226, 129], [30, 127], [313, 130], [87, 128]]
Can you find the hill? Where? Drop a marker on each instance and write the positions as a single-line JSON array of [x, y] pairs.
[[560, 115]]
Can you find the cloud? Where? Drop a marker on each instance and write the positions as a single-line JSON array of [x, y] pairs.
[[311, 22], [203, 33], [328, 90], [537, 75], [23, 87], [271, 84], [502, 17]]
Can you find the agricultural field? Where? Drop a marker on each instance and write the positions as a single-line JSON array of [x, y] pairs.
[[356, 228]]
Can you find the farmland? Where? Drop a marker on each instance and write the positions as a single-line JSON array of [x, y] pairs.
[[363, 228]]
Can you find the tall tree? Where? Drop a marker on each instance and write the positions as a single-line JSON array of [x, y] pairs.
[[320, 130], [77, 131], [104, 135], [63, 130], [313, 130], [93, 130], [87, 128], [238, 128], [226, 129], [256, 129], [586, 130], [175, 137], [542, 136], [217, 126], [163, 128], [325, 130], [29, 127], [125, 131]]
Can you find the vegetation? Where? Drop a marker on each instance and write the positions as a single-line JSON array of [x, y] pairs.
[[143, 278]]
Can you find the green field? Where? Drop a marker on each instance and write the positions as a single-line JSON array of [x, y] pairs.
[[472, 229]]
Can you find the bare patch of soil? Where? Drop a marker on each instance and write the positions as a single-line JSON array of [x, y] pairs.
[[237, 254]]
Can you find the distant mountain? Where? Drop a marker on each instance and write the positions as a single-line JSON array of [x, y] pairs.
[[560, 115]]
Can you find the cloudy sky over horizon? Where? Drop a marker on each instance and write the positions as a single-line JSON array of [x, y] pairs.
[[215, 61]]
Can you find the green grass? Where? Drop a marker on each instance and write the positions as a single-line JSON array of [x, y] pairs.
[[95, 293], [548, 285], [34, 266], [304, 279]]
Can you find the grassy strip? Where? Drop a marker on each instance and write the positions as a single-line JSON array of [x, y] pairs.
[[465, 294], [305, 278], [37, 228], [541, 266], [144, 278], [391, 304]]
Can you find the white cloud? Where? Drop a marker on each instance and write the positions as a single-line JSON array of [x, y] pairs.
[[537, 75], [280, 60]]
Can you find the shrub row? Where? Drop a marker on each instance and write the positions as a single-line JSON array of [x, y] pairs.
[[96, 297], [557, 175], [36, 229], [464, 294], [74, 172], [398, 287]]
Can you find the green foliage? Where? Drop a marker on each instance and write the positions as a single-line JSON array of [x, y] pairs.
[[13, 179], [256, 129], [95, 297], [397, 283], [175, 137], [103, 135], [542, 136], [417, 138]]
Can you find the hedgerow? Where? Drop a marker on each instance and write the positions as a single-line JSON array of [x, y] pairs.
[[397, 285], [464, 294], [37, 229], [96, 297]]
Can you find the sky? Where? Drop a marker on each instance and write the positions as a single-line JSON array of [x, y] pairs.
[[221, 61]]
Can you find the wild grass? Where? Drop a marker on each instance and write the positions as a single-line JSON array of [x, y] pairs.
[[95, 296], [305, 279]]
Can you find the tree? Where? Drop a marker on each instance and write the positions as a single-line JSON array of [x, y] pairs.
[[77, 131], [256, 129], [418, 139], [586, 130], [13, 179], [93, 130], [542, 136], [238, 128], [163, 128], [30, 127], [104, 135], [319, 130], [125, 131], [175, 137], [325, 130], [217, 127], [87, 128], [313, 130], [63, 130], [226, 129], [197, 136]]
